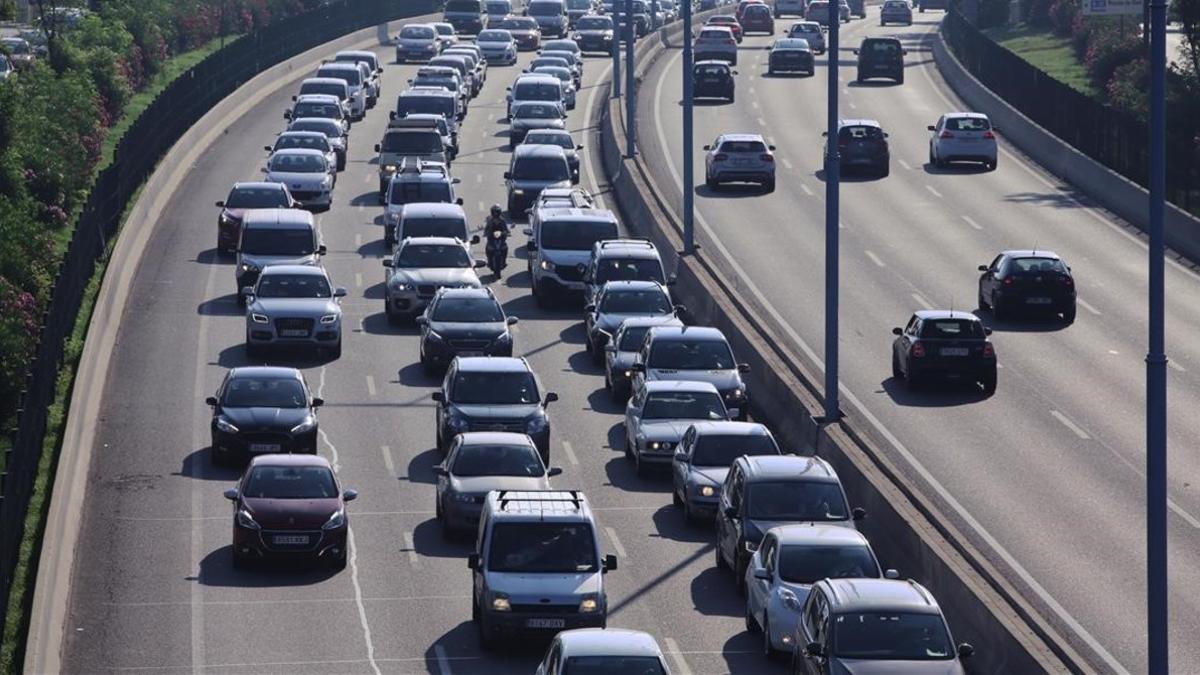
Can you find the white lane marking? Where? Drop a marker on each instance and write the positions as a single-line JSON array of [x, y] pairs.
[[786, 163], [478, 178], [762, 123], [874, 258], [906, 165], [988, 539], [358, 279], [357, 240], [612, 536], [677, 656], [807, 190], [593, 185], [443, 663], [752, 90], [412, 548], [1176, 367], [1075, 428], [754, 104], [921, 301], [933, 191], [570, 453], [387, 461], [971, 221], [1114, 352], [358, 601], [371, 385], [482, 206], [1084, 304], [852, 105]]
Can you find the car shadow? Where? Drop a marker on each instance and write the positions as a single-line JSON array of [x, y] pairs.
[[873, 84], [463, 640], [216, 569], [294, 357], [601, 402], [788, 75], [366, 199], [848, 176], [573, 334], [376, 248], [1031, 323], [736, 191], [714, 593], [375, 292], [430, 540], [213, 256], [955, 169], [414, 375], [670, 524], [518, 280], [198, 465], [708, 102], [226, 305], [581, 363], [743, 654], [622, 474], [939, 394], [420, 467], [378, 324]]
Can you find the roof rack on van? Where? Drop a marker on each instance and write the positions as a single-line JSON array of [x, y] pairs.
[[416, 165], [409, 123], [541, 500], [627, 241]]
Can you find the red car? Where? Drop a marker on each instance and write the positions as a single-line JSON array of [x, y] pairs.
[[729, 21], [757, 18], [247, 196], [289, 506]]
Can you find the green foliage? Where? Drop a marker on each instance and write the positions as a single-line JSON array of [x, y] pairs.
[[993, 13], [1128, 86]]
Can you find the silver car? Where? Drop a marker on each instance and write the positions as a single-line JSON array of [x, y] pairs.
[[332, 129], [565, 77], [374, 70], [307, 174], [275, 237], [810, 31], [417, 42], [621, 352], [694, 353], [312, 140], [618, 301], [479, 462], [963, 137], [293, 306], [716, 43], [603, 650], [741, 158], [895, 11], [658, 413], [357, 78], [498, 46], [702, 462], [534, 88], [419, 267], [318, 105], [533, 115]]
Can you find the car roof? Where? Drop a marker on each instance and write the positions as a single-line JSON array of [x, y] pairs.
[[694, 386], [356, 52], [274, 372], [632, 285], [713, 62], [570, 212], [278, 218], [881, 38], [431, 241], [296, 270], [505, 31], [432, 209], [322, 121], [717, 26], [291, 459], [483, 292], [626, 251], [679, 333], [860, 122], [879, 595], [300, 152], [547, 132], [731, 428], [539, 505], [773, 467], [535, 77], [317, 98], [925, 314], [538, 150], [493, 364], [807, 24], [607, 642], [323, 80], [788, 43], [742, 137], [261, 184], [496, 437], [302, 134], [426, 91], [338, 65], [813, 534], [1030, 253]]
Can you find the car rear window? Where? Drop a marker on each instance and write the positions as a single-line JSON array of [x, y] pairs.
[[257, 198], [412, 192], [967, 124], [714, 34], [951, 328], [711, 70], [418, 32], [498, 460], [860, 132], [743, 146], [1036, 266], [885, 47]]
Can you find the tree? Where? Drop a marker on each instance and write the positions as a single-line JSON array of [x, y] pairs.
[[1187, 12]]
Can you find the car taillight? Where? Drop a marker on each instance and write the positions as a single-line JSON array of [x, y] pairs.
[[989, 135], [1008, 281], [918, 350], [720, 157], [988, 350], [1068, 281], [946, 134], [767, 158]]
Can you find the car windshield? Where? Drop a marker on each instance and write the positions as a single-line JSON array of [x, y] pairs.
[[287, 243], [419, 256], [545, 9], [290, 482], [629, 269], [432, 105], [412, 192], [636, 302], [792, 43], [418, 32], [518, 23], [444, 29], [552, 169], [711, 450], [337, 89], [433, 227], [293, 286], [808, 28], [257, 198], [796, 500], [330, 128], [563, 74], [289, 163], [553, 548], [1037, 266], [683, 405], [313, 142], [949, 329], [313, 109], [537, 91], [468, 310], [499, 8], [494, 36], [16, 47], [711, 70], [462, 5], [859, 133], [494, 388], [613, 665], [891, 636], [412, 143], [757, 147], [549, 61], [570, 235], [691, 355], [498, 460], [264, 392], [594, 23], [579, 4], [446, 82], [809, 564], [632, 338], [562, 140]]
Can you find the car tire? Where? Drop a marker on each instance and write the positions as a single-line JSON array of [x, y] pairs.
[[628, 448], [999, 311], [1069, 315], [981, 303], [597, 354], [990, 166], [336, 352], [885, 170], [711, 183], [900, 80], [338, 562], [989, 384], [426, 365], [218, 459], [896, 372], [675, 500], [721, 564], [739, 578], [539, 296], [732, 97], [770, 71], [638, 467], [751, 623], [769, 186], [486, 640], [253, 351]]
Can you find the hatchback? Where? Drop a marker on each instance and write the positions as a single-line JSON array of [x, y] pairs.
[[946, 344], [895, 11], [739, 157], [758, 19], [880, 57], [862, 144], [790, 55], [729, 22], [478, 463], [713, 79], [811, 32], [262, 410], [486, 393], [1027, 281], [716, 43], [963, 137]]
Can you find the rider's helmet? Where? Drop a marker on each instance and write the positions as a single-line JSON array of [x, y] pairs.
[[496, 210]]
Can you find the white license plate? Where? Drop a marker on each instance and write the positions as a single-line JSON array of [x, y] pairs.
[[290, 540], [293, 332], [546, 623], [1037, 301], [264, 447], [954, 351]]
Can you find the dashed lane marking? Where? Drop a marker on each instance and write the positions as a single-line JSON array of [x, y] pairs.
[[570, 453], [612, 536], [921, 301], [875, 259], [1075, 428], [971, 221]]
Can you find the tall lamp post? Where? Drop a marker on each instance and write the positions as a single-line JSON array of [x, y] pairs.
[[832, 217], [689, 171]]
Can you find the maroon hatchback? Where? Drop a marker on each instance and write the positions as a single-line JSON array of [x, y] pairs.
[[289, 506]]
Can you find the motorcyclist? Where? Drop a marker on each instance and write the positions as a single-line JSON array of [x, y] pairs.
[[495, 232]]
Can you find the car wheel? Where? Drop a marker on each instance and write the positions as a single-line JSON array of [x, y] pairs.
[[885, 170], [638, 467], [474, 609], [739, 577], [253, 351], [426, 365], [896, 372], [539, 296], [769, 186], [913, 381], [711, 183], [900, 80], [336, 352], [597, 354], [485, 635], [999, 311], [769, 650], [770, 71], [859, 78], [990, 166], [217, 457], [989, 384], [721, 565], [981, 303], [628, 448], [751, 624], [932, 159], [1069, 315], [675, 498], [338, 562]]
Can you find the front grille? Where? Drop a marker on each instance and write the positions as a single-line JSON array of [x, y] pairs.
[[545, 609], [517, 426], [303, 196], [266, 438], [282, 325], [469, 344], [268, 540], [569, 272], [426, 290]]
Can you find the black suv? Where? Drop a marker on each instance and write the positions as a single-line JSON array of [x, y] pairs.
[[947, 344], [262, 410], [862, 144], [463, 322], [1030, 281], [881, 57], [713, 79]]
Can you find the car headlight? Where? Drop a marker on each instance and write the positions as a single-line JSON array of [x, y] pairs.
[[463, 497], [244, 519], [547, 265], [249, 267], [457, 423], [306, 426], [589, 604], [736, 395], [707, 491], [751, 547], [260, 318], [435, 336], [226, 426], [629, 374], [329, 318], [504, 337], [226, 220], [338, 519], [536, 425], [789, 600], [398, 285], [517, 191], [388, 168], [500, 603]]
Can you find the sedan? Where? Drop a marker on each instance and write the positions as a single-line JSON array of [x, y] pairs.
[[332, 129], [713, 79], [308, 175], [895, 11], [498, 46], [262, 410], [524, 31], [1027, 281], [464, 322], [703, 458], [568, 81], [293, 306], [313, 140], [658, 413], [811, 32], [290, 506], [621, 352], [947, 344], [621, 300], [476, 464], [417, 42], [963, 137], [729, 21], [561, 138], [862, 144], [245, 196], [790, 55]]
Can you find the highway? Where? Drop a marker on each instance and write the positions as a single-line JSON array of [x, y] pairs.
[[1045, 476], [153, 588]]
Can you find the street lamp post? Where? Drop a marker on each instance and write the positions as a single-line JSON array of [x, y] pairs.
[[832, 217], [689, 173], [630, 83], [616, 48]]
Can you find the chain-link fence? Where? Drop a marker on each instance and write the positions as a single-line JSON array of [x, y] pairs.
[[176, 109]]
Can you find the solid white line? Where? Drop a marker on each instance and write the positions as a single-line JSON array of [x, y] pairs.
[[1075, 428], [677, 656], [358, 279], [874, 258], [387, 460], [972, 223], [482, 206], [852, 105], [921, 301], [370, 385], [358, 601], [593, 185], [478, 178], [1083, 303], [807, 190], [762, 123], [787, 164], [357, 240], [570, 453], [412, 548], [443, 663], [933, 191], [612, 536], [905, 164], [1176, 367]]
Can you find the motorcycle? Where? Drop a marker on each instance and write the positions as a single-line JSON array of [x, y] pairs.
[[497, 252]]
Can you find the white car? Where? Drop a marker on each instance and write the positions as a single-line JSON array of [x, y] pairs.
[[498, 46], [790, 559], [603, 650], [963, 137], [716, 43], [306, 173]]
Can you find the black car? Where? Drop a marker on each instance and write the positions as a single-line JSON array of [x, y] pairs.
[[713, 79], [862, 144], [1030, 281], [463, 322], [947, 344], [493, 394], [262, 410], [790, 55], [594, 33], [881, 57]]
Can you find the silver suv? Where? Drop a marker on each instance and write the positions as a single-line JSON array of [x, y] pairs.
[[622, 260], [293, 306], [356, 78], [374, 70], [657, 415], [422, 265], [742, 158], [411, 145], [620, 300], [275, 237], [560, 247], [416, 183], [693, 353]]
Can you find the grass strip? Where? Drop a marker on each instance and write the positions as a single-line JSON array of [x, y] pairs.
[[1047, 52]]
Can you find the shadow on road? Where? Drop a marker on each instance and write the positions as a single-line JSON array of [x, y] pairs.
[[216, 569]]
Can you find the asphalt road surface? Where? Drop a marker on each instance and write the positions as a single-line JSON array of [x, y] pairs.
[[1047, 474]]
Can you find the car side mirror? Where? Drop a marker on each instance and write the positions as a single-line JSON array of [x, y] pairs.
[[473, 561], [422, 320], [965, 651], [680, 309], [638, 367], [743, 367], [610, 562], [589, 309], [459, 201], [317, 402], [931, 128], [507, 175], [762, 573], [708, 147], [512, 320], [553, 471], [856, 52], [211, 400], [231, 494], [824, 134], [387, 262], [321, 250], [579, 147], [551, 397], [815, 649], [438, 396], [265, 147], [392, 115], [475, 239], [858, 513], [339, 293], [995, 129], [220, 204], [771, 148], [891, 574], [681, 457], [903, 52], [349, 495], [287, 114], [731, 512], [377, 147], [610, 348], [480, 263], [440, 470], [987, 331], [295, 97], [897, 331], [983, 268], [528, 232], [247, 292]]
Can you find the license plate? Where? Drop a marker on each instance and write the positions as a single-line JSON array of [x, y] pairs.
[[293, 332], [741, 162], [954, 351], [471, 353], [290, 540], [545, 623], [1037, 301], [264, 447]]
